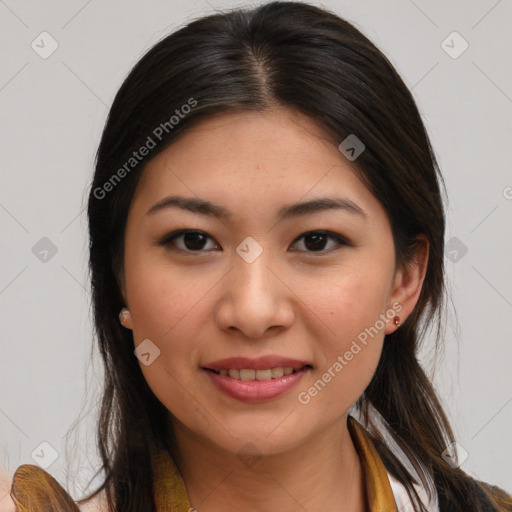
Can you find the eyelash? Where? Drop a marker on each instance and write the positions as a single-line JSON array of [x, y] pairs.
[[168, 240]]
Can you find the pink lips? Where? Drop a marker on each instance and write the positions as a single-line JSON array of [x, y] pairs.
[[256, 391]]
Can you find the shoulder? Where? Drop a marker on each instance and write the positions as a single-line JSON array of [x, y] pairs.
[[403, 500], [96, 504], [6, 502], [500, 498]]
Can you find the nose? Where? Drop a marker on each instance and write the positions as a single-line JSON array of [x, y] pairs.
[[254, 298]]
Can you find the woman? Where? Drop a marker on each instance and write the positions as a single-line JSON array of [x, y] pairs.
[[266, 231]]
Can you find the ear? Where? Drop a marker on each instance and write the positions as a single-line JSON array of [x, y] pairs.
[[408, 282], [125, 318]]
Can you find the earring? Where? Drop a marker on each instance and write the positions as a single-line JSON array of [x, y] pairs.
[[123, 316], [396, 321]]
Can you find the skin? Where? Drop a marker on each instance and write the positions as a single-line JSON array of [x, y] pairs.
[[292, 301], [6, 502]]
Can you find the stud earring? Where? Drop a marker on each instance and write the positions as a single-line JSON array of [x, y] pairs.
[[123, 315], [396, 321]]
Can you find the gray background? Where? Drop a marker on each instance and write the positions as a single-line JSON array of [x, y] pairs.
[[52, 114]]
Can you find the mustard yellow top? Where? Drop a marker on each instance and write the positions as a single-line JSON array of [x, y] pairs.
[[171, 495], [33, 489]]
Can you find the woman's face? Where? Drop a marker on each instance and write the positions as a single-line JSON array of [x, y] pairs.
[[263, 278]]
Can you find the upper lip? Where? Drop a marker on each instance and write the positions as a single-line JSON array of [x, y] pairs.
[[261, 363]]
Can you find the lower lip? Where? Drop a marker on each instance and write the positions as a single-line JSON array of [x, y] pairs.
[[256, 390]]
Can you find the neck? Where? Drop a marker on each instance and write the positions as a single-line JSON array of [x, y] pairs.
[[323, 473]]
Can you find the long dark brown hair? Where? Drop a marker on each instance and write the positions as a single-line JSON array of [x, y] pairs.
[[304, 58]]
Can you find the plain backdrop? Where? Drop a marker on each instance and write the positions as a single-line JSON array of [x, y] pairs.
[[53, 108]]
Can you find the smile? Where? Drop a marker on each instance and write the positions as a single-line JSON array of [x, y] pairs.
[[251, 385], [249, 374]]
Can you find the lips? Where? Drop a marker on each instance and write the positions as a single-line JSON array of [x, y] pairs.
[[256, 390], [254, 380], [251, 374], [262, 363]]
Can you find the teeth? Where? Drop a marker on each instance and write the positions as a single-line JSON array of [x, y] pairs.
[[247, 374], [263, 374], [234, 374], [277, 372], [251, 374]]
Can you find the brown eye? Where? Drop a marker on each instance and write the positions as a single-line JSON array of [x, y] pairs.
[[316, 241], [187, 240]]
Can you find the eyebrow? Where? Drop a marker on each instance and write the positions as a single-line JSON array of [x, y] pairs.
[[208, 208]]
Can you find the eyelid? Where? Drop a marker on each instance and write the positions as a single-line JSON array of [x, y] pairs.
[[330, 234], [340, 240], [167, 239]]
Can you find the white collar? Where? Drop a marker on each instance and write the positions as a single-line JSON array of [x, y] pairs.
[[403, 502]]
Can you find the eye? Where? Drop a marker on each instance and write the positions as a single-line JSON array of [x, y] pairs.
[[187, 240], [196, 241], [316, 241]]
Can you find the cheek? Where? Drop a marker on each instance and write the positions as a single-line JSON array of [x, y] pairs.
[[161, 296], [348, 355], [166, 308], [169, 306], [351, 302]]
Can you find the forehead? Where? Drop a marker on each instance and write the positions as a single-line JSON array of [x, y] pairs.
[[253, 159], [257, 138]]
